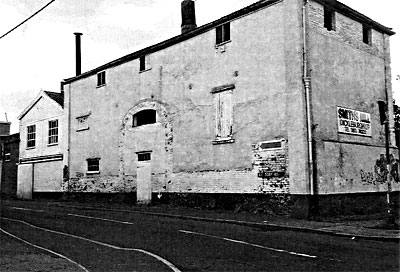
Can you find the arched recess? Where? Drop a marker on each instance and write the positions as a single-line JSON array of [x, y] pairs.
[[128, 129]]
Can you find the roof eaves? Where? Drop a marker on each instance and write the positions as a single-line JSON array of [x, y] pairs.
[[29, 107], [353, 14], [177, 39]]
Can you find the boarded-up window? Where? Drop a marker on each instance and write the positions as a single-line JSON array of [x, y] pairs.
[[223, 106]]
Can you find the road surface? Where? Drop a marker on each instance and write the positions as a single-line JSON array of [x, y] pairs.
[[100, 240]]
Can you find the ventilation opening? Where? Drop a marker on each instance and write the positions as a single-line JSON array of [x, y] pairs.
[[144, 117], [270, 145]]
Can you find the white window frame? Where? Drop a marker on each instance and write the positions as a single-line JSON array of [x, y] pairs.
[[31, 136], [90, 169], [53, 132], [223, 114]]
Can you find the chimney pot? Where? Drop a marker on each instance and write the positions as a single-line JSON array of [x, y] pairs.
[[188, 16]]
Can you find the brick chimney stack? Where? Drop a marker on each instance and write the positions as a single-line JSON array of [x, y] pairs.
[[4, 128], [188, 16]]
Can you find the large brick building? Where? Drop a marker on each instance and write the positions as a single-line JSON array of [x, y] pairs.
[[278, 98], [9, 155]]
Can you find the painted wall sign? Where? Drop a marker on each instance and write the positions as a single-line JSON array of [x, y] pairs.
[[353, 122]]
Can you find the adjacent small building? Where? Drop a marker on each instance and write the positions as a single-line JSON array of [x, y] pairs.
[[9, 155], [42, 125]]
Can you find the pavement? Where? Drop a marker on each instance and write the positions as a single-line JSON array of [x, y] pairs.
[[370, 227]]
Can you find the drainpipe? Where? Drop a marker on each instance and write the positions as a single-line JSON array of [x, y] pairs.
[[387, 73], [307, 85]]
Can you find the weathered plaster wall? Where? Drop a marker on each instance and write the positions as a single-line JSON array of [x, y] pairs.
[[345, 167], [295, 104], [348, 73], [47, 176], [182, 76]]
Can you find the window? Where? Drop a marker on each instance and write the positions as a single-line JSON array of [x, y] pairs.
[[93, 165], [144, 63], [223, 108], [53, 132], [101, 79], [271, 145], [329, 19], [7, 154], [366, 34], [31, 136], [223, 33], [145, 156], [83, 123], [144, 117]]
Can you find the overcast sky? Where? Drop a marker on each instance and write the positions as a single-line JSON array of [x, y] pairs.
[[41, 53]]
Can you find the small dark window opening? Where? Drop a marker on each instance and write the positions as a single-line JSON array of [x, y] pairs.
[[144, 117], [142, 61], [223, 33], [366, 34], [329, 19], [101, 78], [7, 154], [93, 165], [269, 145], [144, 156]]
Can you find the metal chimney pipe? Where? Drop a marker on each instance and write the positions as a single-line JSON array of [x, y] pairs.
[[188, 16], [78, 52]]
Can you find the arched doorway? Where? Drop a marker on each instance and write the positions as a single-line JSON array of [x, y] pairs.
[[145, 147]]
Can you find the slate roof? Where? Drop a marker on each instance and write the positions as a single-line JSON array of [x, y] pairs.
[[237, 14], [58, 97]]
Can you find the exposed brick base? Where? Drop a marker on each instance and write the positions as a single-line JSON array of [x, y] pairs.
[[254, 203], [297, 206]]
